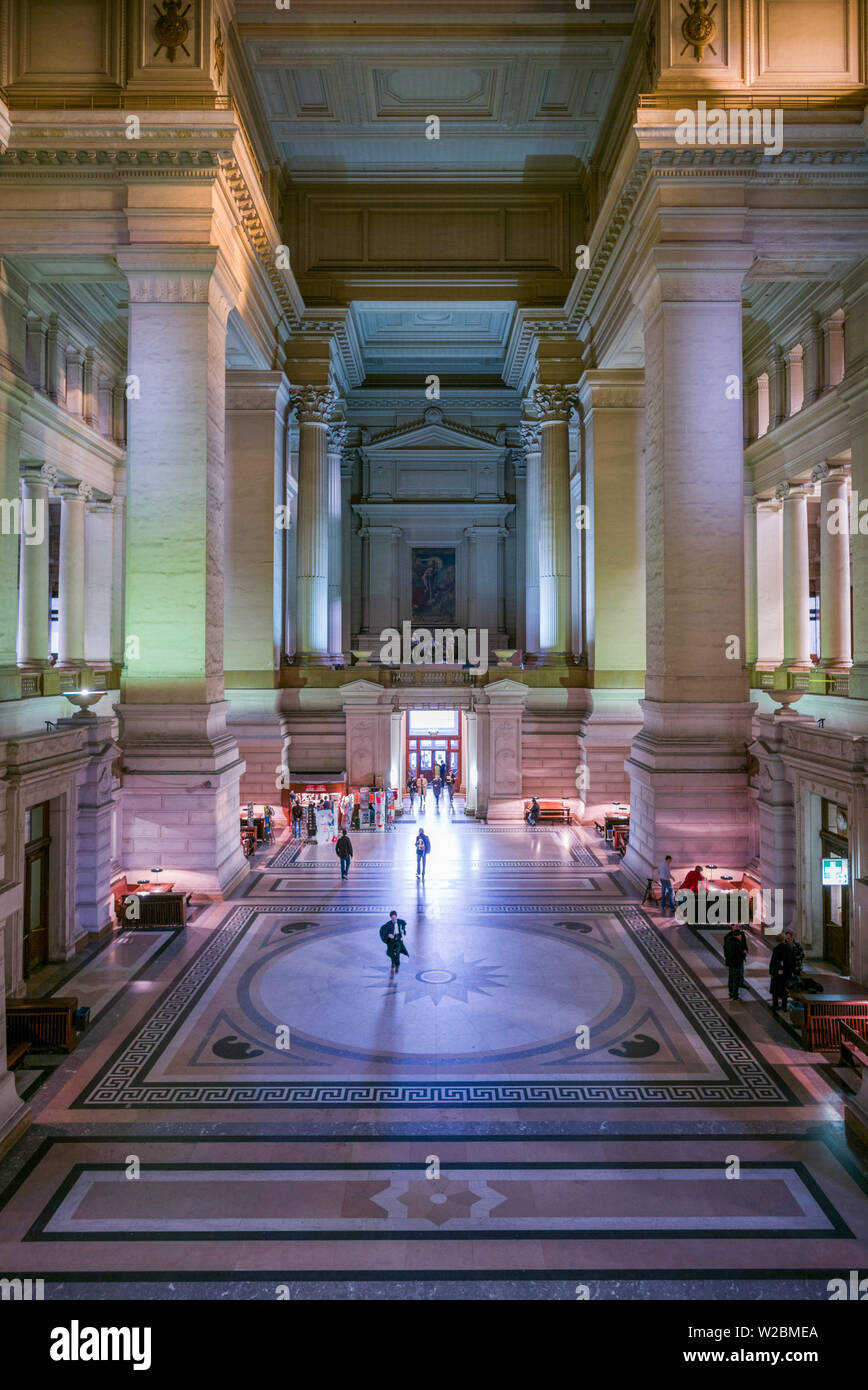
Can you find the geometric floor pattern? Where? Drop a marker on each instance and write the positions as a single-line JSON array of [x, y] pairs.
[[555, 1086]]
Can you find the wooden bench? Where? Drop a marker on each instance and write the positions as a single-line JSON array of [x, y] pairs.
[[825, 1013], [42, 1022], [552, 810], [854, 1047]]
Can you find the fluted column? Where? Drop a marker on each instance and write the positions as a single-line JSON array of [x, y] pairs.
[[812, 361], [797, 628], [337, 435], [778, 403], [119, 516], [315, 405], [70, 585], [33, 596], [554, 404], [530, 437], [98, 579], [750, 582], [347, 544], [835, 645]]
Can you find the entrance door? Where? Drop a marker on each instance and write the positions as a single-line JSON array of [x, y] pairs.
[[36, 862], [834, 844], [433, 737]]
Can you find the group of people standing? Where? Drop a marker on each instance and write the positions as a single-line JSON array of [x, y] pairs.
[[785, 964], [442, 781]]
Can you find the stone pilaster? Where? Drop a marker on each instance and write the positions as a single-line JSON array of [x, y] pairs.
[[612, 406], [98, 582], [347, 543], [796, 581], [531, 433], [750, 582], [499, 712], [255, 525], [71, 584], [93, 825], [13, 399], [315, 406], [835, 646], [33, 597], [812, 359], [14, 1114], [855, 393], [770, 589], [689, 788], [181, 766], [554, 404]]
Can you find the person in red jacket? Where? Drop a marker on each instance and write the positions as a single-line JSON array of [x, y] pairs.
[[693, 879]]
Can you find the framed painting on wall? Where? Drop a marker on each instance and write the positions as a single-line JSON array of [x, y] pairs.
[[433, 585]]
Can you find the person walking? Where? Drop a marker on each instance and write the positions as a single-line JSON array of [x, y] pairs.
[[423, 788], [442, 773], [664, 873], [412, 788], [437, 787], [297, 815], [782, 969], [450, 786], [423, 849], [735, 954], [344, 852], [392, 935]]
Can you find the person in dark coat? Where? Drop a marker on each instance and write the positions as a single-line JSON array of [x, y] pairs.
[[392, 934], [297, 814], [423, 849], [782, 968], [533, 814], [344, 852], [442, 772], [735, 955], [437, 787], [449, 779]]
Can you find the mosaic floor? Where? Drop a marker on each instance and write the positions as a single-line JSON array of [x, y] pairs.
[[554, 1087]]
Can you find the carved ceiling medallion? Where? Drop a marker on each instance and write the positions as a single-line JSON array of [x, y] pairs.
[[698, 28], [171, 29]]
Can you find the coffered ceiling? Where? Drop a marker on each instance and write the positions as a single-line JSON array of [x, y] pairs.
[[441, 338], [520, 89]]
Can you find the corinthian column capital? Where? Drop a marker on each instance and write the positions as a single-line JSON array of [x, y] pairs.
[[530, 436], [554, 402], [315, 404], [338, 431]]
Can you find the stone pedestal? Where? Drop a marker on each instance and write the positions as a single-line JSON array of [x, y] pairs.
[[689, 785], [181, 780]]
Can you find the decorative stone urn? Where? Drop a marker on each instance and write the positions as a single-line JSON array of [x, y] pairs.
[[83, 699], [504, 655], [786, 698], [361, 657]]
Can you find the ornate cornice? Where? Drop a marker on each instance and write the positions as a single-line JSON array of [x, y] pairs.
[[315, 404]]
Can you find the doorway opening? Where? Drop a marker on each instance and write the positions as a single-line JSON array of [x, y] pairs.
[[835, 847], [37, 848], [433, 737]]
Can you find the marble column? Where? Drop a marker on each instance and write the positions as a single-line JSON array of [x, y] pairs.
[[612, 406], [778, 402], [93, 826], [98, 583], [181, 764], [835, 645], [689, 789], [553, 403], [750, 582], [74, 370], [315, 405], [471, 774], [255, 538], [770, 584], [14, 399], [796, 580], [337, 435], [531, 434], [70, 584], [119, 514], [33, 596]]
